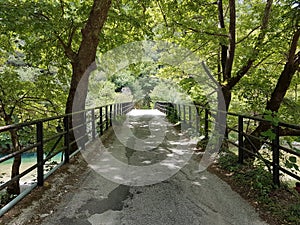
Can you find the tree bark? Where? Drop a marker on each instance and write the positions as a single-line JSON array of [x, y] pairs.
[[247, 66], [83, 62], [224, 48], [86, 55], [228, 52], [231, 47], [277, 96], [14, 188]]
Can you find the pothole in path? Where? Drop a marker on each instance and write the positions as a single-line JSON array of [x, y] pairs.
[[114, 201]]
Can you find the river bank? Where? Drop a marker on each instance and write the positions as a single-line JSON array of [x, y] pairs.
[[27, 162]]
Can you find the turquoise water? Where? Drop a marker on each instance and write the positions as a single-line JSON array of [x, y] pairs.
[[30, 158]]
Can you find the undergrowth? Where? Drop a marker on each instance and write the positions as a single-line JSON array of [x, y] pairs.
[[256, 182]]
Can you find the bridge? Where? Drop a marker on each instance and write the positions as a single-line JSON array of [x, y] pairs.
[[142, 169]]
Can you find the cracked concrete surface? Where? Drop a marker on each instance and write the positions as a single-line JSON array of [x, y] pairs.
[[187, 198]]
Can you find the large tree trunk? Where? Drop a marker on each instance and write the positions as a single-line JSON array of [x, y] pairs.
[[14, 188], [86, 55], [227, 60], [224, 47], [227, 96], [277, 96], [83, 62]]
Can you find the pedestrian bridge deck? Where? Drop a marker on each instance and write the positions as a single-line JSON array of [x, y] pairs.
[[143, 171]]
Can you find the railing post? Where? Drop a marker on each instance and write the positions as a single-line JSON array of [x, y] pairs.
[[115, 110], [106, 117], [93, 125], [190, 116], [184, 114], [179, 113], [197, 121], [84, 129], [241, 139], [206, 124], [110, 115], [101, 120], [168, 109], [40, 154], [67, 139], [275, 150]]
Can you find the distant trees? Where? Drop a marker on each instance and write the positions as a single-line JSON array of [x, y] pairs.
[[24, 95]]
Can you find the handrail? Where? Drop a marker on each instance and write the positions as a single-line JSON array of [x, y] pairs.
[[201, 124], [98, 117]]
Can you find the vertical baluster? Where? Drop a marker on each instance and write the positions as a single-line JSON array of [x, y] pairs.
[[40, 154], [67, 138], [241, 138], [275, 156]]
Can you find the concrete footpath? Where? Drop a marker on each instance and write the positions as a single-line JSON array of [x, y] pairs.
[[186, 198]]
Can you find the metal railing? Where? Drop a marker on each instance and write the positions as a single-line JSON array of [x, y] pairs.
[[47, 145], [201, 120]]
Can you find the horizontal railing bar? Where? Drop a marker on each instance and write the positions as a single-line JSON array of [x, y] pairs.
[[289, 151], [289, 173], [54, 137], [7, 157], [257, 138], [120, 108], [19, 125], [283, 124], [15, 178]]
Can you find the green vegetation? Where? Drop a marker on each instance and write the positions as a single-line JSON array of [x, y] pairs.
[[255, 184], [251, 48]]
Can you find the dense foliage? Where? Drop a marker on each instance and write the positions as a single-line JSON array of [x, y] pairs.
[[47, 47]]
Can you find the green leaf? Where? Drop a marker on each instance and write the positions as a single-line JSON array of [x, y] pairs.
[[269, 134], [289, 165], [293, 159]]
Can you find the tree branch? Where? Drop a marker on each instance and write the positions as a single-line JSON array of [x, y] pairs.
[[231, 47], [67, 49], [261, 61], [286, 75], [62, 7], [241, 72], [224, 48], [71, 35], [162, 12], [244, 38], [201, 32]]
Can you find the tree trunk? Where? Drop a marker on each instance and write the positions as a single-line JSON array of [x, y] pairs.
[[14, 188], [277, 96], [227, 96], [232, 81], [83, 63], [224, 48], [232, 42]]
